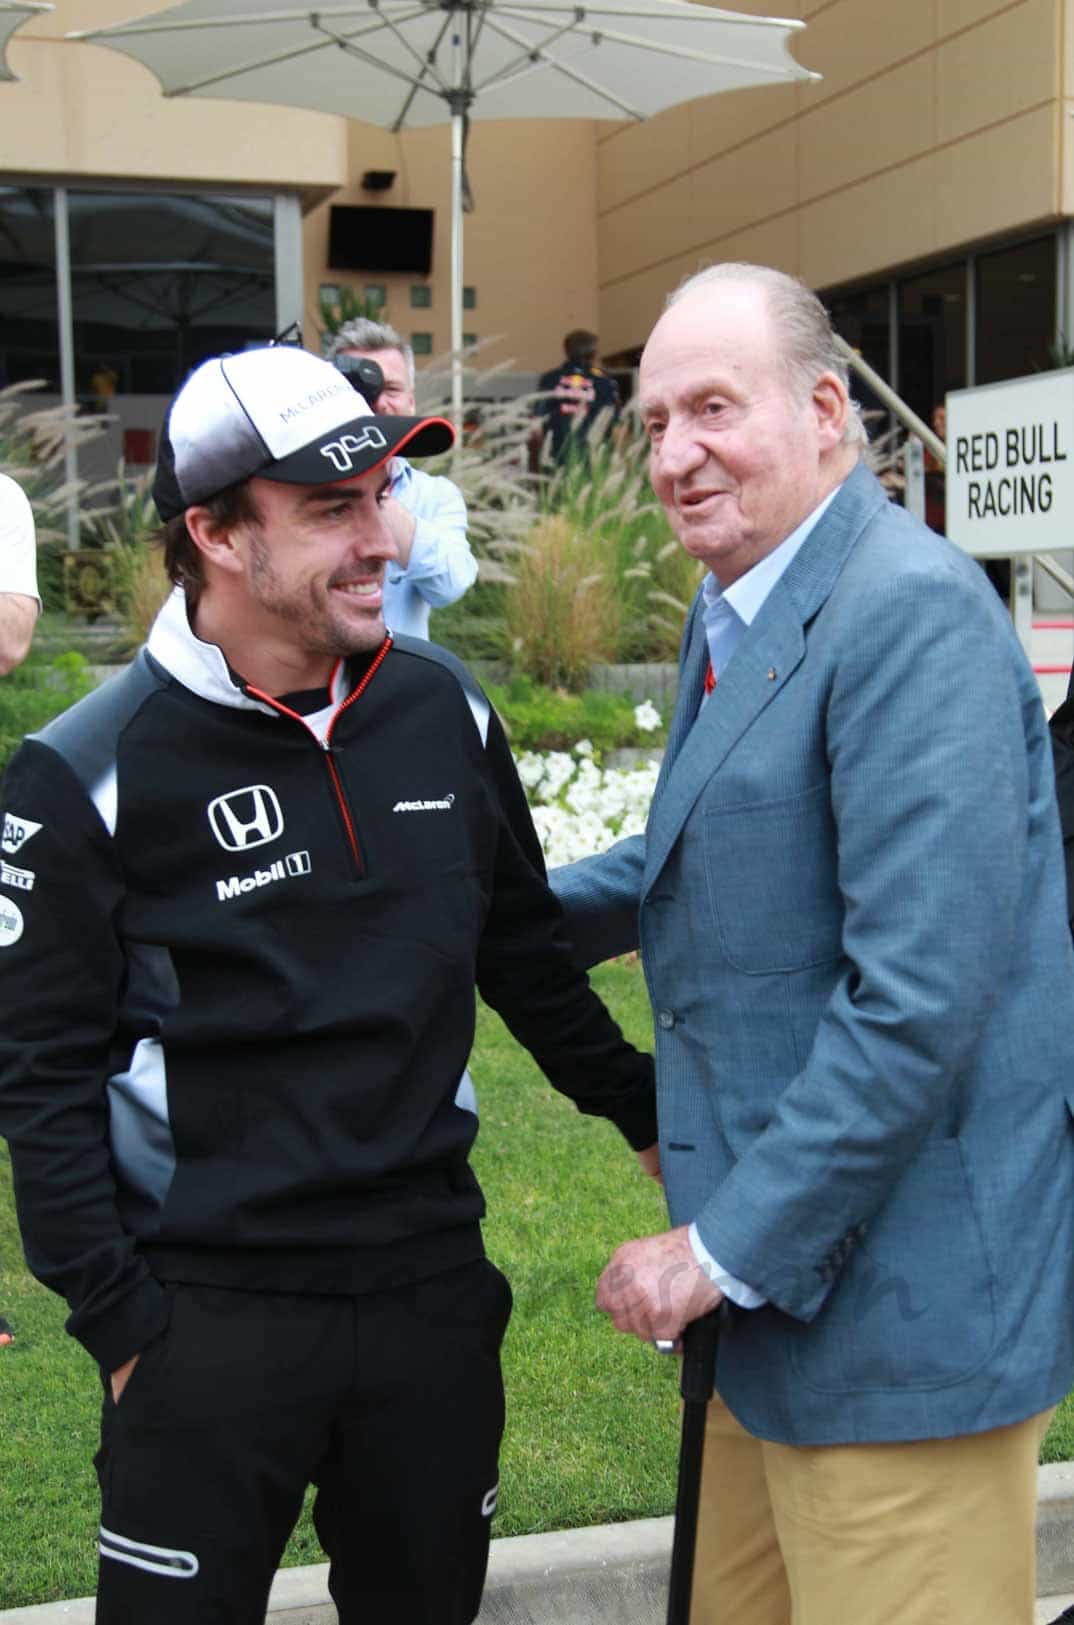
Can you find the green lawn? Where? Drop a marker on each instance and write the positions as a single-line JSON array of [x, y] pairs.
[[592, 1416]]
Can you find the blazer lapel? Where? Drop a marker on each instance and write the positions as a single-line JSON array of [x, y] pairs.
[[765, 659], [754, 675]]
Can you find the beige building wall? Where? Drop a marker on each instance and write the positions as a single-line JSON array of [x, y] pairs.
[[529, 247], [80, 110], [938, 123]]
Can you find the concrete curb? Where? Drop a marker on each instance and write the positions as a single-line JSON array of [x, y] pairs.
[[614, 1574]]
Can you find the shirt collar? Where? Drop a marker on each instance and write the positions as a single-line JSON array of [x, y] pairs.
[[401, 475], [746, 595]]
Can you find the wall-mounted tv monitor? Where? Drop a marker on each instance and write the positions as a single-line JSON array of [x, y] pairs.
[[363, 237]]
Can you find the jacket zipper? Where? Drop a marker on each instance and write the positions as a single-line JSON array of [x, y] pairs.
[[326, 743]]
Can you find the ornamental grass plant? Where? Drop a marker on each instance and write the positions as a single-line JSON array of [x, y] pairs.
[[631, 560], [125, 529], [603, 490], [562, 614], [33, 444]]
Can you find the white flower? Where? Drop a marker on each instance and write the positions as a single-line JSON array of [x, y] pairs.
[[583, 748], [578, 808], [646, 716], [530, 769]]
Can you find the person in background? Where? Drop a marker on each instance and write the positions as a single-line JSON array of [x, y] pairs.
[[19, 601], [851, 910], [425, 512], [19, 609], [576, 394]]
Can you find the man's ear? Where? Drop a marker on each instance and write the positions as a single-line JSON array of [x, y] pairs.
[[215, 542], [831, 403]]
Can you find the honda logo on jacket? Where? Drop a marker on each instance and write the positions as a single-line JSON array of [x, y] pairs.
[[246, 818]]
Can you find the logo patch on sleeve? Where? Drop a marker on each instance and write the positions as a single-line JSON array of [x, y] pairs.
[[17, 831], [11, 922]]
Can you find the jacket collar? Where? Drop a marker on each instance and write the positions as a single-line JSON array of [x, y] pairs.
[[199, 666]]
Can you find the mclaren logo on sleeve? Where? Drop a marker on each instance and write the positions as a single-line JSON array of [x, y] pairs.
[[246, 818]]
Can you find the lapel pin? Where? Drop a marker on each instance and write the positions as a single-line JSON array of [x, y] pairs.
[[772, 674]]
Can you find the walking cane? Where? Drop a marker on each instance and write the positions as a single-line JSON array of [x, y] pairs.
[[698, 1360]]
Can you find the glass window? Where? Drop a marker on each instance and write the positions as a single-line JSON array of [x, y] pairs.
[[376, 293], [862, 319], [29, 330], [421, 343], [932, 337], [1015, 310], [469, 298], [161, 282], [469, 340], [421, 296]]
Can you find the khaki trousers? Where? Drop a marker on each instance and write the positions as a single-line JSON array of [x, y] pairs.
[[937, 1532]]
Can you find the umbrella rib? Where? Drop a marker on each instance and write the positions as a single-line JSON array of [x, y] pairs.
[[425, 63], [408, 103], [180, 25], [530, 55], [685, 53], [256, 64], [675, 12], [568, 73]]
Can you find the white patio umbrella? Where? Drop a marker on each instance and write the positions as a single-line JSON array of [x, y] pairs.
[[404, 63], [13, 13]]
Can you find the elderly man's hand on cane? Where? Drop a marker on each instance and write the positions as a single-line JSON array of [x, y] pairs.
[[654, 1287]]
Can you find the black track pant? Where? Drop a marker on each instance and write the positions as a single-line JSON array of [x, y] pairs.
[[391, 1403]]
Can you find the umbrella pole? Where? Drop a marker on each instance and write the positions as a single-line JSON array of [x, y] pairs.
[[458, 104]]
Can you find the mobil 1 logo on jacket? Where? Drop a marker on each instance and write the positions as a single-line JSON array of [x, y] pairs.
[[245, 820]]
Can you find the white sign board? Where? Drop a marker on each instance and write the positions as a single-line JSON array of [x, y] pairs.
[[1010, 466]]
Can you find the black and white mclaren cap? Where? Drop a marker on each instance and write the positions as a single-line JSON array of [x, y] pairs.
[[282, 414]]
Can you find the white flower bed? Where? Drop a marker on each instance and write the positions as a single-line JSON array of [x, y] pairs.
[[579, 808]]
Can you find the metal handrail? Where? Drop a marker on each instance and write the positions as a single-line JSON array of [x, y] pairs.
[[910, 420]]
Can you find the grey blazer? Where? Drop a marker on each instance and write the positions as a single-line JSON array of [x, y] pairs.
[[850, 905]]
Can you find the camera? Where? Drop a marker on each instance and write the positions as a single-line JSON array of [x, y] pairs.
[[363, 375]]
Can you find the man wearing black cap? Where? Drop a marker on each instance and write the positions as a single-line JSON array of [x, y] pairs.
[[269, 863]]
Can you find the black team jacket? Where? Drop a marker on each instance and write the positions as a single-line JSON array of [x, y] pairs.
[[238, 954]]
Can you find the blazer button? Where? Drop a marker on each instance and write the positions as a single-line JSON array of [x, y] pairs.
[[665, 1019]]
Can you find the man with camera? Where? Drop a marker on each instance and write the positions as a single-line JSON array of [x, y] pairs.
[[426, 513]]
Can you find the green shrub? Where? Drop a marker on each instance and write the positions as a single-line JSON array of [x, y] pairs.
[[538, 718], [474, 627], [37, 691]]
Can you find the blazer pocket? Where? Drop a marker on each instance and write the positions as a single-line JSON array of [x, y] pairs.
[[771, 869], [913, 1305]]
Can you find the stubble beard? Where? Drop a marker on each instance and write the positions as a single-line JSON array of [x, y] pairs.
[[311, 614]]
